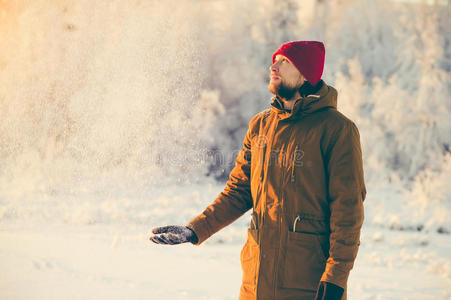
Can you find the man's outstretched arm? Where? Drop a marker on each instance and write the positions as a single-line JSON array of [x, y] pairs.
[[230, 204]]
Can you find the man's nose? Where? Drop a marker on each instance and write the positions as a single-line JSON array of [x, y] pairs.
[[274, 67]]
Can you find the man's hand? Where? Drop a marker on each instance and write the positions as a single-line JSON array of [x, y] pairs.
[[329, 291], [173, 235]]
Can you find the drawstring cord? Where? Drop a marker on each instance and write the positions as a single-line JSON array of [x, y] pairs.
[[298, 218], [253, 221]]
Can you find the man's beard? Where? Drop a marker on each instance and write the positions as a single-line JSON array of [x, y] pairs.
[[283, 90]]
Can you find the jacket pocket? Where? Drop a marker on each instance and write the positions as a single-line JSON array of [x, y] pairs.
[[249, 257], [304, 261]]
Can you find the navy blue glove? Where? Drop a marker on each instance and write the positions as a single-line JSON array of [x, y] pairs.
[[173, 235], [328, 291]]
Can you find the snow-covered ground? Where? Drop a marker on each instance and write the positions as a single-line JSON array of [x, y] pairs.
[[107, 256]]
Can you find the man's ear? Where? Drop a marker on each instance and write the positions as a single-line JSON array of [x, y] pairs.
[[302, 77]]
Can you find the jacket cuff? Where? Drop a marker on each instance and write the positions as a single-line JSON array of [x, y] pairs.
[[200, 227], [335, 276]]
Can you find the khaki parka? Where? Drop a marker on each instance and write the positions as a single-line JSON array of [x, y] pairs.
[[301, 173]]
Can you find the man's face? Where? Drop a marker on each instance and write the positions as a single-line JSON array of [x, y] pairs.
[[285, 78]]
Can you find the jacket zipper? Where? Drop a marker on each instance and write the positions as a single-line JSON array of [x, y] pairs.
[[276, 259], [262, 172], [294, 162]]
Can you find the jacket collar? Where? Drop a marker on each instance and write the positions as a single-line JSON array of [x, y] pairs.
[[326, 96]]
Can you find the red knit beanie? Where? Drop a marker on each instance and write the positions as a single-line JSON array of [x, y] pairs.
[[307, 56]]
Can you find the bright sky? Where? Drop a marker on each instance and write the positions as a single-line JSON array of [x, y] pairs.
[[443, 2]]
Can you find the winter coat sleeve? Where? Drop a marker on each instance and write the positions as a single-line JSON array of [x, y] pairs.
[[233, 202], [347, 192]]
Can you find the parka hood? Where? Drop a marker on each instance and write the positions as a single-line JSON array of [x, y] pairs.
[[326, 96]]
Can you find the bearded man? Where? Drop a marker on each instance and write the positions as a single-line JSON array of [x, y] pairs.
[[300, 170]]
